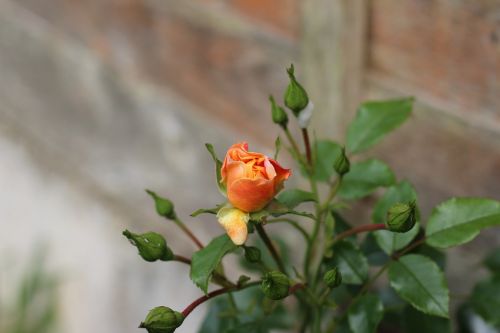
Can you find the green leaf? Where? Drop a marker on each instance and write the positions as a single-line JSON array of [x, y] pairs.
[[459, 220], [294, 197], [365, 315], [206, 260], [374, 120], [417, 322], [364, 178], [492, 261], [213, 321], [326, 153], [485, 300], [277, 145], [389, 241], [218, 166], [373, 252], [350, 261], [276, 208], [200, 211], [419, 281]]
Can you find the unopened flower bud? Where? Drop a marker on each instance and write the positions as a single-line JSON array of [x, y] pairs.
[[234, 221], [164, 207], [401, 217], [333, 278], [296, 98], [342, 164], [278, 113], [252, 254], [275, 285], [151, 245], [162, 320]]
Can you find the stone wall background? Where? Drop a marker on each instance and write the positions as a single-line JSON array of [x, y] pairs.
[[101, 99]]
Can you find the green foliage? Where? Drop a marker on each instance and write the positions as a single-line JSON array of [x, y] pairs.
[[364, 178], [206, 260], [492, 261], [333, 288], [294, 197], [276, 208], [164, 207], [200, 211], [401, 217], [332, 278], [419, 281], [254, 314], [459, 220], [151, 245], [417, 322], [326, 153], [295, 97], [389, 241], [275, 285], [374, 120], [162, 320], [218, 166], [350, 261], [485, 300], [365, 315]]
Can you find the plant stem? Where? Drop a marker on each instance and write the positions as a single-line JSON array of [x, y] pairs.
[[182, 259], [293, 223], [270, 247], [224, 282], [213, 294], [321, 209], [188, 232], [415, 244], [225, 290], [359, 229], [307, 144], [333, 192]]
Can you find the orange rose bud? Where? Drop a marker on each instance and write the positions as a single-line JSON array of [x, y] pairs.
[[252, 179], [234, 221]]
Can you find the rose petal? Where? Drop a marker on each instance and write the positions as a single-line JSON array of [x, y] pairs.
[[250, 195], [234, 221]]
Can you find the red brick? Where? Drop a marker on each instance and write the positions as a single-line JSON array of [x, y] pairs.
[[283, 15], [446, 48]]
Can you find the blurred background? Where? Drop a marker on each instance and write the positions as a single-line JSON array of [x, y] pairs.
[[100, 99]]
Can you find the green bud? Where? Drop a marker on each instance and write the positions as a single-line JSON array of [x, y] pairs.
[[252, 254], [275, 285], [333, 278], [151, 245], [342, 164], [278, 113], [162, 320], [401, 217], [296, 98], [164, 207]]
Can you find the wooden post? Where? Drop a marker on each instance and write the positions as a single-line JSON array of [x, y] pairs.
[[332, 60]]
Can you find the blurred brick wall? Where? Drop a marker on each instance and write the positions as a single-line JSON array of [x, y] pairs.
[[226, 56]]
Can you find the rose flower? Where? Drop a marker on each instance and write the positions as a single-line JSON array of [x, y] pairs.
[[252, 179]]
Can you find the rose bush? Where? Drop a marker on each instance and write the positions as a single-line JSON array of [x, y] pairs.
[[336, 289]]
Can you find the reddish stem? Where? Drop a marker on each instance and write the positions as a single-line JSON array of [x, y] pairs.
[[307, 144], [221, 291], [189, 233], [267, 241], [182, 259], [359, 229]]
